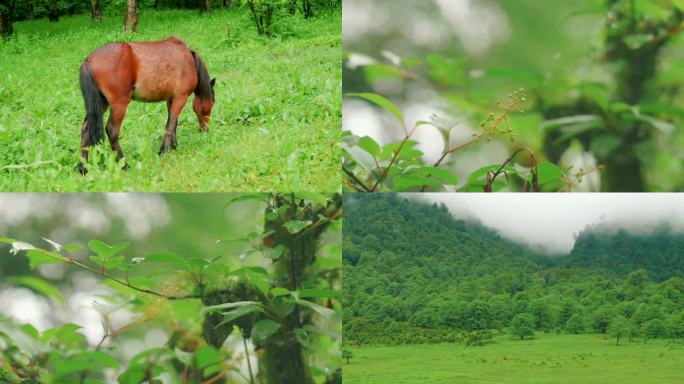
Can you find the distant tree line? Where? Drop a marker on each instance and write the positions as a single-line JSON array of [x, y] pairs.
[[415, 274], [264, 12]]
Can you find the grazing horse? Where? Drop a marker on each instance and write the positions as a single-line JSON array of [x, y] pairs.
[[114, 74]]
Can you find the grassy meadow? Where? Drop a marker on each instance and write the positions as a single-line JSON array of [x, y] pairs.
[[548, 359], [275, 125]]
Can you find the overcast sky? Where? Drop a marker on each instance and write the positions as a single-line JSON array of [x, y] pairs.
[[552, 220]]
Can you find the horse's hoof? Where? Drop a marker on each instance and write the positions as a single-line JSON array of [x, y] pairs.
[[126, 167], [82, 169]]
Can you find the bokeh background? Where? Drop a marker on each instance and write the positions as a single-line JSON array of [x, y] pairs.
[[486, 49]]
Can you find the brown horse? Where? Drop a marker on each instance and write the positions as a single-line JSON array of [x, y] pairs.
[[117, 73]]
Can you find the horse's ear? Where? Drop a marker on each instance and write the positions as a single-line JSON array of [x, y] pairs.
[[212, 82]]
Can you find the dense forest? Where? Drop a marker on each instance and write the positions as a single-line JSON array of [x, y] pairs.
[[413, 273], [264, 12]]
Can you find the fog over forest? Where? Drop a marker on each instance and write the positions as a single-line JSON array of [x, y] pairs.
[[551, 222]]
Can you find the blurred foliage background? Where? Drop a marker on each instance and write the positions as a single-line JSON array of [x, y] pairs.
[[602, 80], [192, 226]]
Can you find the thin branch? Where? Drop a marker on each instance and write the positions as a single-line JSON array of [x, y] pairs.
[[69, 260], [249, 363], [491, 176], [356, 179], [394, 158]]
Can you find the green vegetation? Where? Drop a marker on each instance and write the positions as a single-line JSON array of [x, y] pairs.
[[548, 359], [275, 124], [585, 98], [414, 274], [277, 291]]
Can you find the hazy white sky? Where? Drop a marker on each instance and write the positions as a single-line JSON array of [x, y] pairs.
[[552, 220]]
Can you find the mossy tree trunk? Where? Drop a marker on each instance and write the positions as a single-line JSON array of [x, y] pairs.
[[131, 16], [96, 10], [283, 359]]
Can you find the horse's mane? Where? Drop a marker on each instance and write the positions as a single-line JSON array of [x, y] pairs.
[[203, 88]]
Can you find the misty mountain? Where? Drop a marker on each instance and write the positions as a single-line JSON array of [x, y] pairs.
[[619, 252], [414, 273]]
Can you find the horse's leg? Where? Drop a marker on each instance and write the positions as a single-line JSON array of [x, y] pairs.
[[114, 127], [175, 107], [84, 146], [174, 142]]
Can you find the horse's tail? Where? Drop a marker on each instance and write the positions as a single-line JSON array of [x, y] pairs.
[[94, 103]]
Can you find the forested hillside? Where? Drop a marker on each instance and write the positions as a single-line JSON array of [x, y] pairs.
[[415, 274], [660, 251]]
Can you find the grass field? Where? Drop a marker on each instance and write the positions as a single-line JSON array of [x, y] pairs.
[[549, 359], [274, 127]]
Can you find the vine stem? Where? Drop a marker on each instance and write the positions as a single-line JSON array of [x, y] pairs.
[[394, 158], [70, 260], [535, 171], [491, 130], [249, 363]]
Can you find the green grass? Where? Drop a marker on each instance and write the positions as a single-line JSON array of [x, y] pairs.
[[274, 127], [549, 359]]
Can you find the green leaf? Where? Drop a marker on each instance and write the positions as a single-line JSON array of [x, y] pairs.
[[168, 258], [263, 329], [404, 182], [548, 172], [318, 198], [296, 226], [239, 312], [72, 247], [105, 250], [382, 102], [85, 361], [39, 285], [321, 310], [278, 291], [7, 240], [319, 293], [207, 356], [114, 262], [447, 177], [274, 253], [38, 257], [369, 145], [236, 304], [66, 334]]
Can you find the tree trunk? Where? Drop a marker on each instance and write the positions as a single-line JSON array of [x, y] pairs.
[[96, 10], [6, 19], [283, 359], [131, 16], [307, 9], [204, 6], [53, 10]]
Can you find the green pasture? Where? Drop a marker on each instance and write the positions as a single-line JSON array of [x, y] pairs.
[[275, 125], [548, 359]]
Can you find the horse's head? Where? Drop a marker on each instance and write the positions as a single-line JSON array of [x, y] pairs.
[[202, 105]]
